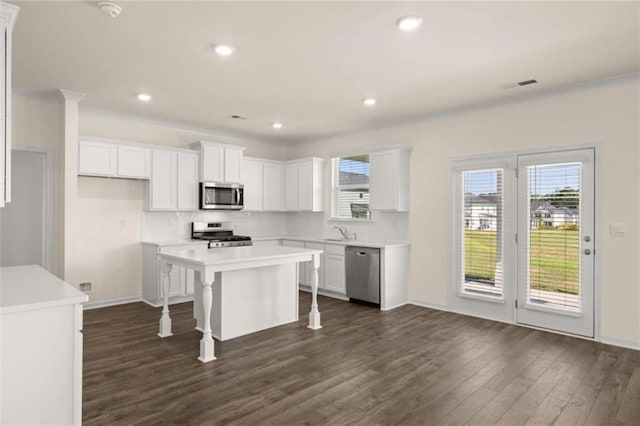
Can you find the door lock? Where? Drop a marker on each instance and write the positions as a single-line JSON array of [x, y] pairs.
[[587, 238], [587, 252]]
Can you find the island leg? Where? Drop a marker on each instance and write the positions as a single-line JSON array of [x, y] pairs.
[[165, 319], [314, 314], [206, 343]]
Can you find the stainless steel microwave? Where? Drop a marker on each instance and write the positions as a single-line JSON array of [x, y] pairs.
[[221, 196]]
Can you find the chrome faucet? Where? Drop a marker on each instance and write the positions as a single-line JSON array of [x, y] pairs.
[[343, 231]]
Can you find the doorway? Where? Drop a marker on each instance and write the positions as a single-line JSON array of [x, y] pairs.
[[26, 222], [523, 239]]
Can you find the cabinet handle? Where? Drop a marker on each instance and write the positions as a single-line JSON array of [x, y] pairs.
[[361, 253]]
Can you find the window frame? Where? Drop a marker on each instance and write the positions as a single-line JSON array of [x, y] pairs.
[[336, 188]]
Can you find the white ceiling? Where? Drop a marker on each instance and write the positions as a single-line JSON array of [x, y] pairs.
[[309, 64]]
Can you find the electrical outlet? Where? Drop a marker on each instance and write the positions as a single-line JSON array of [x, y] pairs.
[[86, 287]]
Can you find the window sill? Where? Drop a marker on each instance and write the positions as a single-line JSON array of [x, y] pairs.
[[349, 220]]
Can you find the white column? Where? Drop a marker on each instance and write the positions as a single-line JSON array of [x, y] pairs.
[[206, 343], [314, 314], [165, 319]]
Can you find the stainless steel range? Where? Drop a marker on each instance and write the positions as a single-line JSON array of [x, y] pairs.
[[217, 235]]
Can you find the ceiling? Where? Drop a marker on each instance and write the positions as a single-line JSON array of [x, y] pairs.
[[310, 64]]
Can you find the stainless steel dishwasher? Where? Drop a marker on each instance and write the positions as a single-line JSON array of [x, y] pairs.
[[363, 274]]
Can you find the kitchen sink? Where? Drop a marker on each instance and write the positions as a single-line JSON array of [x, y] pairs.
[[342, 240]]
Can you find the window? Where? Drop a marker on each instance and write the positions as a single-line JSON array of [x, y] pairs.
[[350, 187]]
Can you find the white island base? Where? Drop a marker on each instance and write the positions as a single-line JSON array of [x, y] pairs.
[[249, 288], [249, 300]]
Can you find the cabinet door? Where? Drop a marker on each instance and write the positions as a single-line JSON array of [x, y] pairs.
[[164, 182], [233, 165], [305, 186], [97, 158], [187, 181], [134, 162], [309, 266], [5, 142], [383, 180], [335, 273], [212, 163], [291, 187], [252, 179], [273, 187]]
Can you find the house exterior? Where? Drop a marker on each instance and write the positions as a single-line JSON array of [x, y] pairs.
[[481, 213]]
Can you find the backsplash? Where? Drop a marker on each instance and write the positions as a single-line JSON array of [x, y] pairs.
[[177, 225], [385, 227]]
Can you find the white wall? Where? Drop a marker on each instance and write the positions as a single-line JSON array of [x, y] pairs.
[[605, 113]]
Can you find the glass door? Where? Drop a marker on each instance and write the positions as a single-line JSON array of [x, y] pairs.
[[556, 241]]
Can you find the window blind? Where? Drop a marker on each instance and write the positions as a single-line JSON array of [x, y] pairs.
[[351, 194], [482, 238], [554, 236]]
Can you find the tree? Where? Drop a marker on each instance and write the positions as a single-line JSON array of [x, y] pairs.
[[565, 197]]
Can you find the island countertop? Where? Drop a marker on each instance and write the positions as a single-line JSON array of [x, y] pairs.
[[30, 287], [236, 256]]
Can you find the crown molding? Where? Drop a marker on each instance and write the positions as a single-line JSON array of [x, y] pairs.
[[9, 13], [70, 95]]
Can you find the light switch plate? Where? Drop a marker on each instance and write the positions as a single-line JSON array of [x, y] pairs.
[[618, 229]]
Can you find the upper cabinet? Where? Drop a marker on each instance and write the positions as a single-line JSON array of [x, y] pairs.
[[188, 181], [174, 181], [108, 158], [389, 180], [8, 15], [263, 185], [219, 162], [304, 185]]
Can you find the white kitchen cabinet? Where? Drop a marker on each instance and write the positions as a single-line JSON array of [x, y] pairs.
[[97, 158], [181, 280], [389, 180], [334, 264], [219, 162], [291, 187], [188, 181], [134, 162], [252, 177], [304, 185], [8, 15], [273, 187], [163, 186], [41, 347]]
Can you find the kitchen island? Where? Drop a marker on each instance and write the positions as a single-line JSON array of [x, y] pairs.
[[255, 288]]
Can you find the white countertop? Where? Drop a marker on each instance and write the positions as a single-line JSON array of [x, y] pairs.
[[168, 243], [30, 287], [374, 244], [235, 256]]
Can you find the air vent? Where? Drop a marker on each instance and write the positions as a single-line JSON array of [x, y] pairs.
[[238, 117], [527, 82]]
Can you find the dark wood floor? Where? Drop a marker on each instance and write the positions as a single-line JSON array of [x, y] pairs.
[[408, 366]]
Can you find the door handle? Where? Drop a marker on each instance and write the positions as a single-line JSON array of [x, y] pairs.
[[587, 252], [361, 253]]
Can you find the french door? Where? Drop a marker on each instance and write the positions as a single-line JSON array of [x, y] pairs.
[[556, 241], [523, 239]]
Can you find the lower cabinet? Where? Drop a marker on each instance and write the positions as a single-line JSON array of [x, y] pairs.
[[180, 279], [331, 274]]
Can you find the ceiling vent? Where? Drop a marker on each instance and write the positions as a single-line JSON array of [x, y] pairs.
[[513, 85], [527, 82], [110, 9], [238, 117]]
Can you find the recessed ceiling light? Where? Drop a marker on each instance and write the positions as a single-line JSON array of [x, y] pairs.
[[224, 49], [369, 101], [409, 22], [276, 125], [110, 9], [144, 97]]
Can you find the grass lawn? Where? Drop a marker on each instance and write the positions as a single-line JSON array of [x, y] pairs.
[[554, 262]]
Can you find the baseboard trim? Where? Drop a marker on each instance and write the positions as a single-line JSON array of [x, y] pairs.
[[389, 308], [111, 302], [436, 306], [623, 343], [172, 301], [325, 293]]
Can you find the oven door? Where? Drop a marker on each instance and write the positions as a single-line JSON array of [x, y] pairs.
[[221, 196]]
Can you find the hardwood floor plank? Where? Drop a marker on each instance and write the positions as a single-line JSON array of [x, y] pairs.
[[408, 366]]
